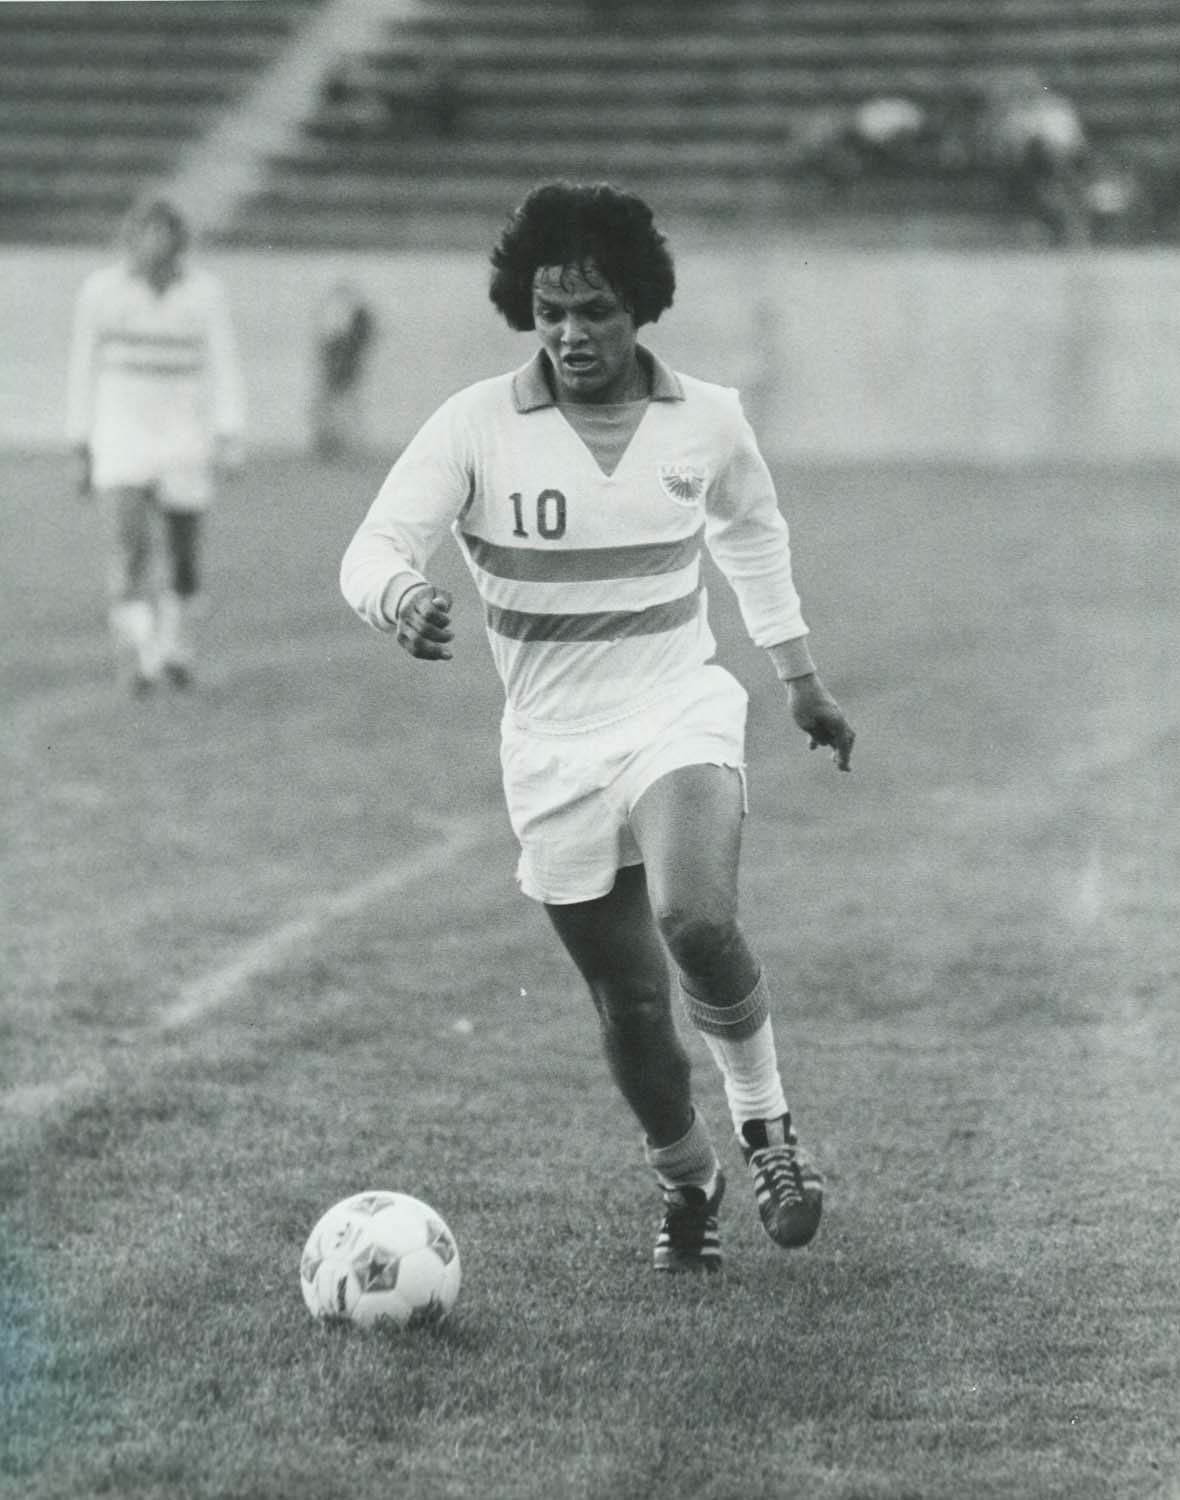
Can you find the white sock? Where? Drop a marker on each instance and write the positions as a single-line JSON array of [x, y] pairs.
[[689, 1162], [740, 1038], [173, 628], [133, 630], [749, 1070]]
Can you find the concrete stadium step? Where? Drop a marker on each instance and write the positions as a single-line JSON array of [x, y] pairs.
[[36, 153], [155, 18], [758, 123], [96, 47], [783, 48], [80, 81], [55, 119], [430, 159], [119, 181], [523, 80], [498, 191], [861, 16], [67, 224], [418, 221], [674, 120]]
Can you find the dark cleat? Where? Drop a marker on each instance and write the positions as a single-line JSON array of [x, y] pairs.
[[689, 1239], [788, 1185]]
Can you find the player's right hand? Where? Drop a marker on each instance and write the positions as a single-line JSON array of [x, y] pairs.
[[424, 623]]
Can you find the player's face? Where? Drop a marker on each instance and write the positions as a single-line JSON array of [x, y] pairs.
[[587, 332], [155, 251]]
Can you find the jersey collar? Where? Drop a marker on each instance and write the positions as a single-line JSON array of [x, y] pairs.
[[531, 389]]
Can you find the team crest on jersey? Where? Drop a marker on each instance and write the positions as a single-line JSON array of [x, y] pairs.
[[683, 482]]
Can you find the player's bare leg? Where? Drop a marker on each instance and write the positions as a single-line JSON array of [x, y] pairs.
[[688, 826], [127, 516], [178, 604], [617, 948]]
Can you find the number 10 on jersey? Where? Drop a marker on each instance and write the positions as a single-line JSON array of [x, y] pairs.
[[550, 517]]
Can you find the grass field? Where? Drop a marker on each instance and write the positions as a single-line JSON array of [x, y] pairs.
[[263, 949]]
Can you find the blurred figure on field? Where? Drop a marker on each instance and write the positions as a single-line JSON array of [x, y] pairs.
[[1034, 137], [344, 334], [155, 415]]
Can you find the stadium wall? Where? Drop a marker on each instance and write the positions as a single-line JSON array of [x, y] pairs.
[[840, 356]]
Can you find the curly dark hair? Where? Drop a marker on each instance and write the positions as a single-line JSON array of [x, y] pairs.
[[152, 210], [576, 224]]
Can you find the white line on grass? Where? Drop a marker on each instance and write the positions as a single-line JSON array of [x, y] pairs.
[[214, 989], [49, 714], [29, 1106]]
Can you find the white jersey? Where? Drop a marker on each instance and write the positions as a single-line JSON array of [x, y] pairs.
[[591, 582], [154, 382]]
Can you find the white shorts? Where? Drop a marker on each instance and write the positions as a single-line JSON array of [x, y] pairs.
[[570, 795]]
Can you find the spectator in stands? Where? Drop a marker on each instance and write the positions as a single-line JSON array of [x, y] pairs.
[[155, 414], [438, 92], [344, 334], [884, 134], [1035, 138], [1119, 201], [351, 98], [888, 127], [422, 96]]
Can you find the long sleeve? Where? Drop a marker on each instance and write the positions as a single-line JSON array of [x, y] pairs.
[[424, 492], [748, 538], [80, 376]]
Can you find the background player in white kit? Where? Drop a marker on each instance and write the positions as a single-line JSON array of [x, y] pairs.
[[581, 489], [155, 411]]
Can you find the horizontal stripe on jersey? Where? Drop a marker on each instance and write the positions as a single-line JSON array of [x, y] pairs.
[[152, 367], [582, 564], [589, 595], [150, 340], [603, 625]]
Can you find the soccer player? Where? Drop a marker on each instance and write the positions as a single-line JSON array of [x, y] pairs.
[[581, 490], [344, 337], [155, 411]]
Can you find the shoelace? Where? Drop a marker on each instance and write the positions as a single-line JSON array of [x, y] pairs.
[[781, 1168]]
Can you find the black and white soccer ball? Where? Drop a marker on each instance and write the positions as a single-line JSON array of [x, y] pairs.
[[381, 1257]]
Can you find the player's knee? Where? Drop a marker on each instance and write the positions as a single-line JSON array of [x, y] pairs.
[[698, 936], [632, 1005], [124, 584]]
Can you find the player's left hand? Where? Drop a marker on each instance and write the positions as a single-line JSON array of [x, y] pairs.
[[82, 479], [821, 718]]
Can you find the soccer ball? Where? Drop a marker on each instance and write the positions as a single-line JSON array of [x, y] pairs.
[[380, 1258]]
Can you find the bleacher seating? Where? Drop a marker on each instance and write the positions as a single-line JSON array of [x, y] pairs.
[[99, 100], [711, 107]]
